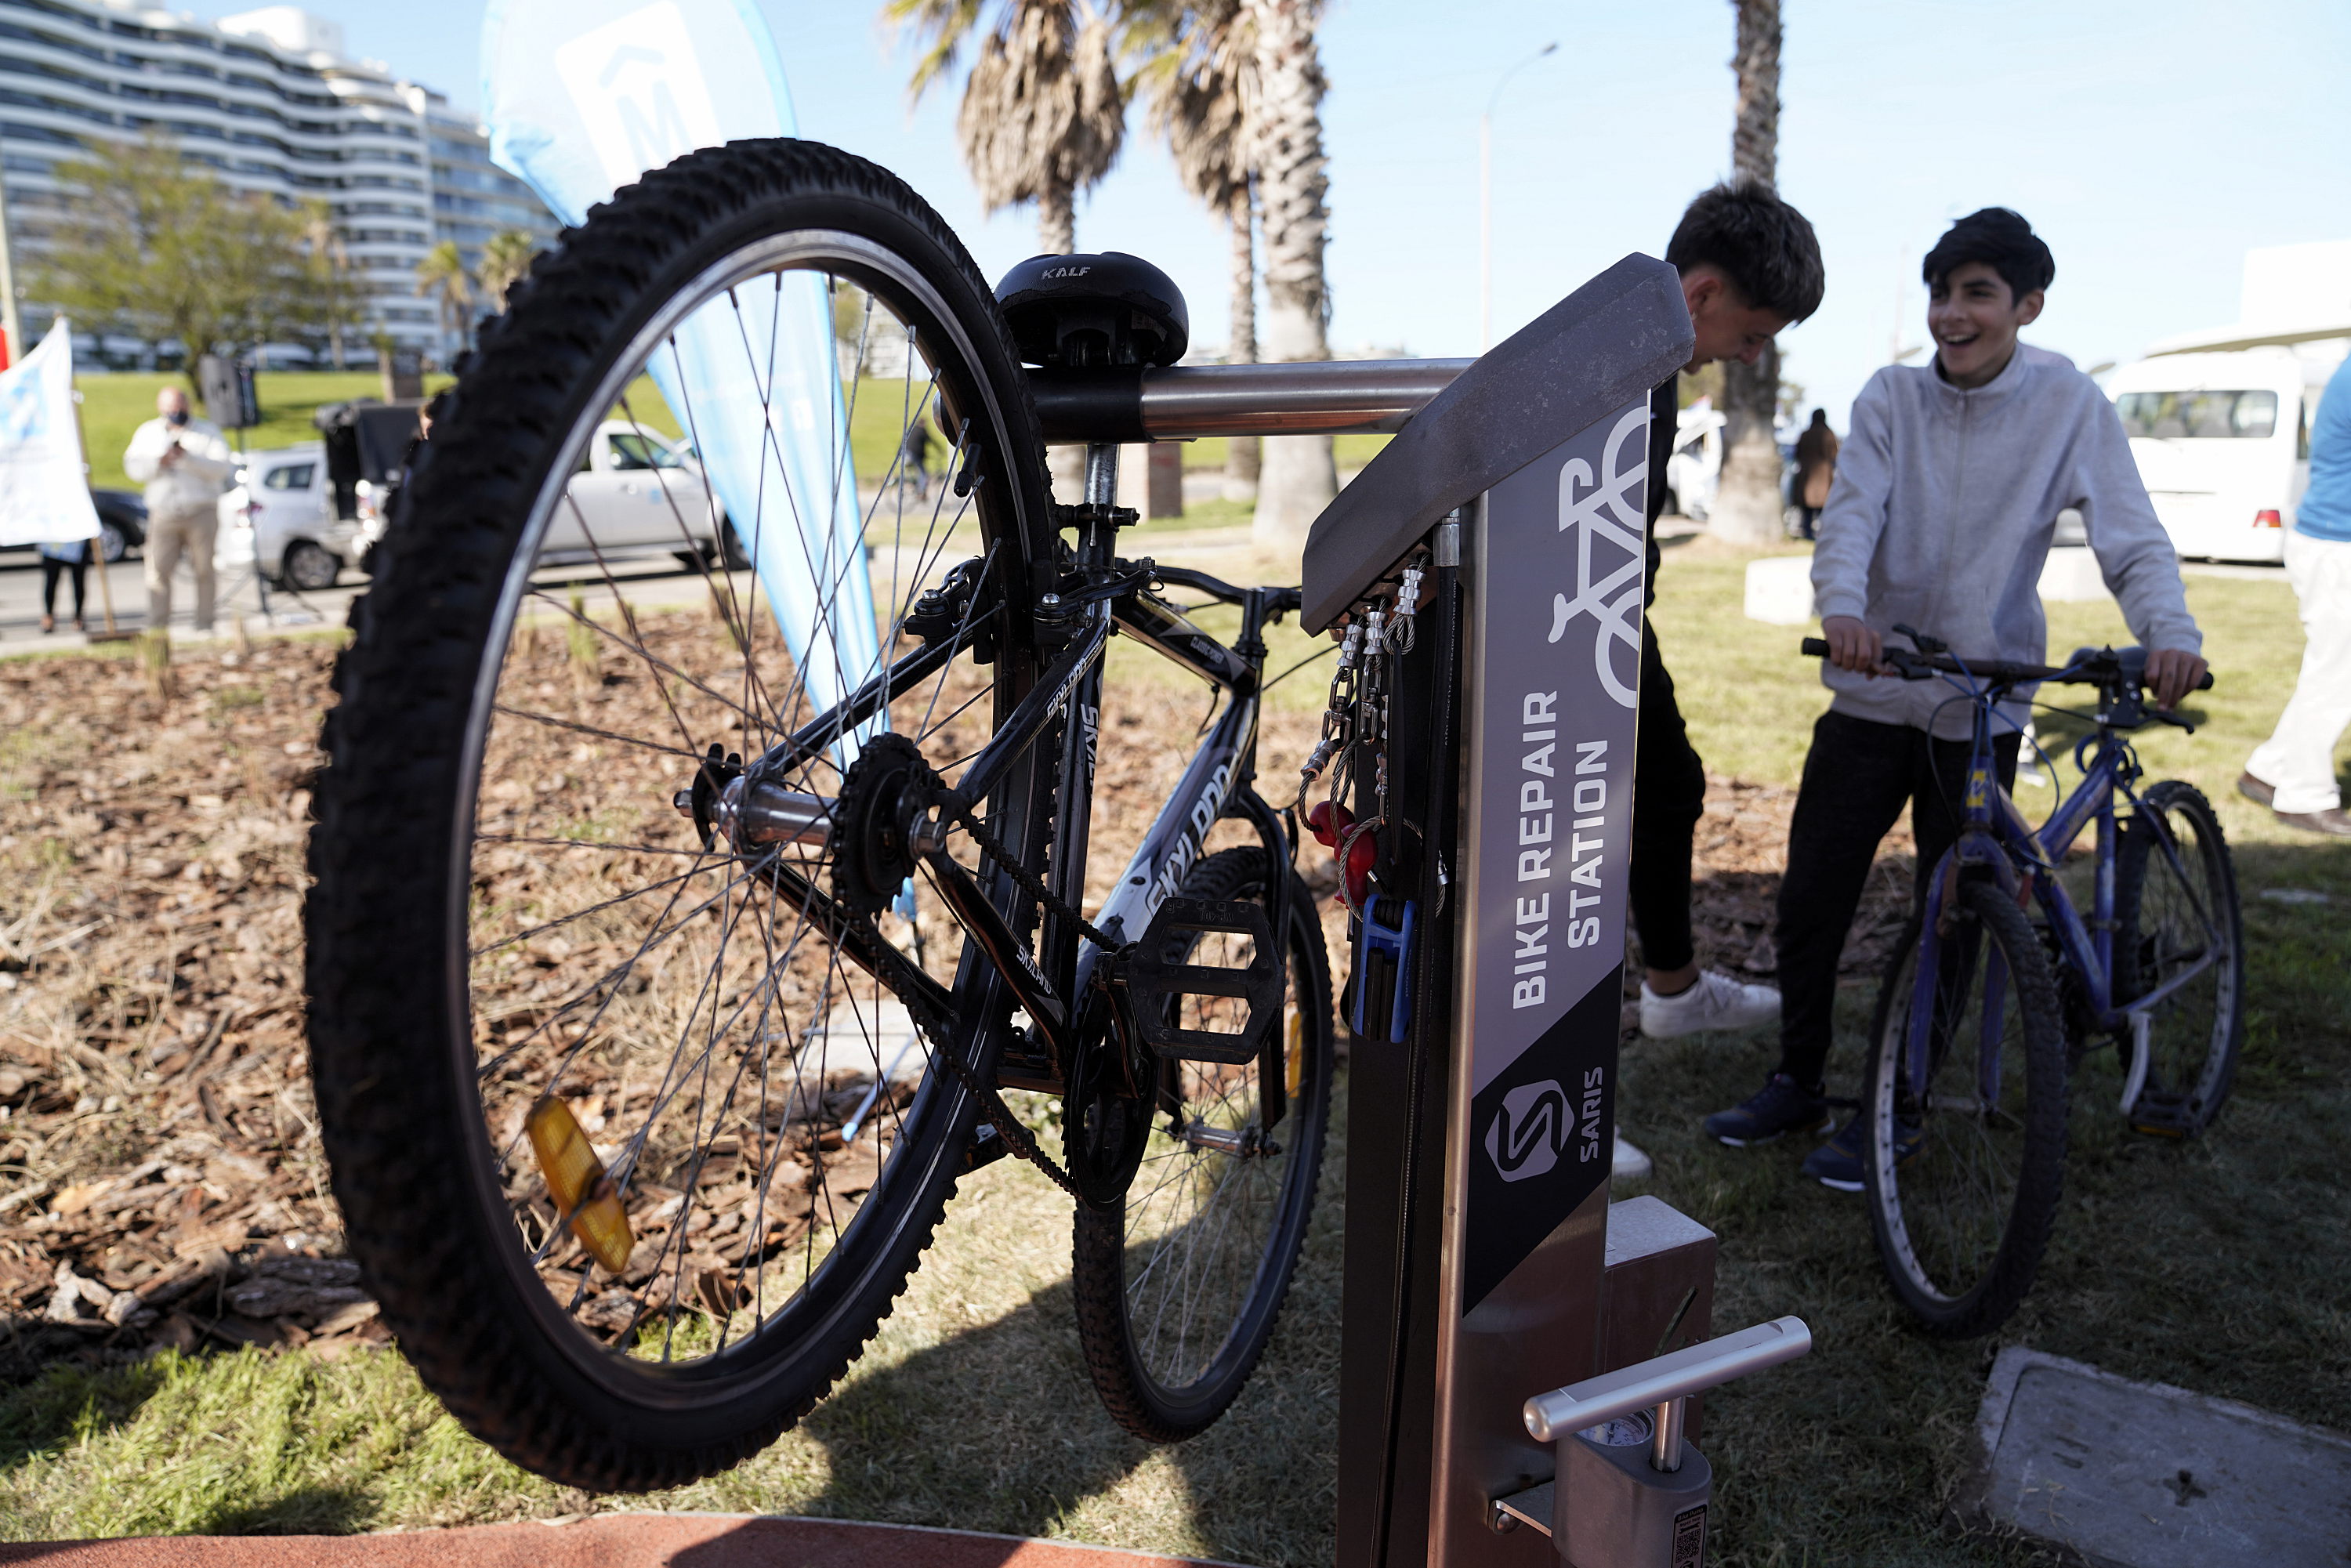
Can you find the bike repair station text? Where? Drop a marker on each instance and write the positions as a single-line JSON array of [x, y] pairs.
[[1552, 786]]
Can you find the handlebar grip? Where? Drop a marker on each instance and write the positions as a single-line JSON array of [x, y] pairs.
[[2205, 684], [1813, 648]]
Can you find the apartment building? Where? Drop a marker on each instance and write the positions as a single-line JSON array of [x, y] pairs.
[[271, 100]]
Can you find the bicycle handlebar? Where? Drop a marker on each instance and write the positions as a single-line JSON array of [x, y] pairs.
[[2104, 669]]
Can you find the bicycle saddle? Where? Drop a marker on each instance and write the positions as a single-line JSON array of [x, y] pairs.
[[1086, 312]]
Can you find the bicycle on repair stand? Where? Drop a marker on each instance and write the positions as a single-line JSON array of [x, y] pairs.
[[1986, 1010], [668, 969]]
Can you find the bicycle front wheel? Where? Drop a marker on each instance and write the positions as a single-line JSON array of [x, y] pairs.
[[635, 1091], [1965, 1156], [1178, 1289], [2180, 937]]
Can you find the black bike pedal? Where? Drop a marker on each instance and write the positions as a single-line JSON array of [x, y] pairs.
[[1157, 973]]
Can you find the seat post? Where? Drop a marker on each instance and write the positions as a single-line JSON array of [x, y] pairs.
[[1102, 474]]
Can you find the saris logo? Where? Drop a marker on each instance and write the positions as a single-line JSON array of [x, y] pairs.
[[1527, 1135]]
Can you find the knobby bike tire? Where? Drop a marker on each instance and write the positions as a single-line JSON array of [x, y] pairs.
[[393, 1054], [1989, 1299], [1137, 1396], [2189, 1077]]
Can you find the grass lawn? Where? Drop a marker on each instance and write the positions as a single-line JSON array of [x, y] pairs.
[[116, 404], [2223, 1266]]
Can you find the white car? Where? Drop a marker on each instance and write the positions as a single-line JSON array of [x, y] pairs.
[[278, 518], [638, 492], [2223, 442]]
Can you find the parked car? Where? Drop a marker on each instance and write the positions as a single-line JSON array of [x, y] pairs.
[[638, 494], [2223, 442], [121, 521], [279, 518]]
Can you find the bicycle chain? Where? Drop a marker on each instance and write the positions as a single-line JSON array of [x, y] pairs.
[[999, 1115]]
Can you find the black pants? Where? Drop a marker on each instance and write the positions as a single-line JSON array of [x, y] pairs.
[[51, 568], [1668, 797], [1857, 777]]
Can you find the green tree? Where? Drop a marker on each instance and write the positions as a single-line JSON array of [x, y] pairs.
[[154, 246], [341, 298], [1043, 113], [506, 261], [442, 277]]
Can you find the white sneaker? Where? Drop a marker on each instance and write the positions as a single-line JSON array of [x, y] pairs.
[[1631, 1164], [1717, 1002]]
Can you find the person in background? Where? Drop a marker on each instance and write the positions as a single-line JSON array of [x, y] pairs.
[[1750, 267], [2292, 772], [57, 560], [1954, 474], [186, 464], [1816, 455], [914, 458]]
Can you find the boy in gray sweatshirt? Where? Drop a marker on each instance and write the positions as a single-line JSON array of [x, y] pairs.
[[1946, 494]]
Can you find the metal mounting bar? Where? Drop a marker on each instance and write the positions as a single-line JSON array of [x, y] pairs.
[[1645, 1384], [1184, 402]]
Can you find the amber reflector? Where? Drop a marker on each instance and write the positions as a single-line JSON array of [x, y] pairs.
[[1294, 1056], [575, 1179]]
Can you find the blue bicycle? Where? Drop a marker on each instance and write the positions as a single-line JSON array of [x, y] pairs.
[[1985, 1009]]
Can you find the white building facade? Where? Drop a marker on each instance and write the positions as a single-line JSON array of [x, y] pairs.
[[272, 103]]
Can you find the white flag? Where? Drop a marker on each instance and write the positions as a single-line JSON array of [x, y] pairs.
[[43, 488]]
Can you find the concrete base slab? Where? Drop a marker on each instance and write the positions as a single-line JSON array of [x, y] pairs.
[[2137, 1475], [605, 1540]]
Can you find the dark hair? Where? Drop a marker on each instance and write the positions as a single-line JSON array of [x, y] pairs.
[[2000, 239], [1762, 244]]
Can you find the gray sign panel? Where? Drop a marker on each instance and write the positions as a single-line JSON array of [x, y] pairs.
[[1556, 633]]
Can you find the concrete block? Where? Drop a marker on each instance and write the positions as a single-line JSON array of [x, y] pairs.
[[2071, 575], [2139, 1475], [1780, 589]]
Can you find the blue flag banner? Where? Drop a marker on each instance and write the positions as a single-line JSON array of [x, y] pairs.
[[582, 97]]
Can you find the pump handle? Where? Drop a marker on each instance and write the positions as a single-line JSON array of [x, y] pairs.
[[1693, 1369]]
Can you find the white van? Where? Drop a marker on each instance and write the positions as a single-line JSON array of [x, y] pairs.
[[2223, 442]]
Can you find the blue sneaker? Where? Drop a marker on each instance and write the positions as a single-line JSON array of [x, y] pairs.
[[1837, 1163], [1781, 1106]]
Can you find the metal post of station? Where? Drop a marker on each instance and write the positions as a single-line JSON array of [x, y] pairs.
[[1499, 1310]]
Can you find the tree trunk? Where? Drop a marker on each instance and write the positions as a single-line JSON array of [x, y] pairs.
[[1057, 221], [1296, 478], [1242, 451], [1747, 508]]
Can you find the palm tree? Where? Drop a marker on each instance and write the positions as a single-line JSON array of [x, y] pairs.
[[1298, 478], [442, 276], [1748, 506], [506, 261], [330, 263], [1043, 115], [1199, 72]]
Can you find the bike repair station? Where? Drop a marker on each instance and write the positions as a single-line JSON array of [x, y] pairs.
[[1522, 1358]]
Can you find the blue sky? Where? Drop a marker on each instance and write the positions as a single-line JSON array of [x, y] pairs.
[[2151, 142]]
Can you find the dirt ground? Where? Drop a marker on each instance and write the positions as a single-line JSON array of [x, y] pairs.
[[161, 1180]]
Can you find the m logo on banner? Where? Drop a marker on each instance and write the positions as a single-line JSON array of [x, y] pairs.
[[1526, 1135], [1607, 518], [641, 90]]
